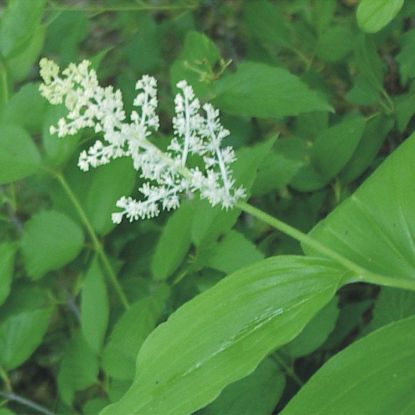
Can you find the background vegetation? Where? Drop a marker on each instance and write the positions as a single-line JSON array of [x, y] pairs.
[[315, 100]]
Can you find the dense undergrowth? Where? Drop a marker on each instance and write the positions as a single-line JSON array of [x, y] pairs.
[[317, 95]]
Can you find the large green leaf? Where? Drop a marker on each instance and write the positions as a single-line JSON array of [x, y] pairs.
[[233, 252], [257, 394], [19, 156], [19, 23], [260, 90], [375, 227], [129, 333], [100, 204], [26, 108], [372, 376], [174, 242], [373, 15], [50, 240], [23, 323], [221, 335], [94, 307], [79, 368], [331, 151]]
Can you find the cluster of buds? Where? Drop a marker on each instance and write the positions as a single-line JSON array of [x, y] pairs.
[[197, 132]]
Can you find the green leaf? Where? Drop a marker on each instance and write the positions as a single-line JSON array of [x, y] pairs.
[[331, 45], [100, 204], [275, 93], [323, 12], [7, 255], [94, 307], [25, 108], [374, 15], [406, 58], [266, 23], [89, 187], [374, 134], [374, 228], [78, 369], [222, 334], [331, 151], [275, 172], [257, 394], [369, 63], [23, 59], [196, 63], [392, 305], [75, 25], [315, 333], [143, 51], [335, 146], [372, 376], [233, 252], [209, 223], [50, 240], [93, 406], [23, 323], [405, 109], [174, 242], [18, 24], [129, 333], [58, 150], [19, 156]]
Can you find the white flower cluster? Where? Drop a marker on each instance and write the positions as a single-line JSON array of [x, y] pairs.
[[167, 173]]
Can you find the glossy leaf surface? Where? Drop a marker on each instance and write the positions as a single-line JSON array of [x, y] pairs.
[[372, 376], [375, 227], [221, 335]]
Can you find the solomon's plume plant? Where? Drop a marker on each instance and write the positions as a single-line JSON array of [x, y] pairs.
[[90, 105], [197, 132]]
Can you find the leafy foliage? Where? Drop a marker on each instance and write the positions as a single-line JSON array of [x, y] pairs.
[[269, 307]]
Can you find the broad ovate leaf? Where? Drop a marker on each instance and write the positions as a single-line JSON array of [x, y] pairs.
[[222, 335], [375, 227], [24, 320], [374, 15], [372, 376], [260, 90], [50, 240], [19, 156]]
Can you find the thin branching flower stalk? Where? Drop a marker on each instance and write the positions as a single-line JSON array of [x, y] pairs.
[[197, 133]]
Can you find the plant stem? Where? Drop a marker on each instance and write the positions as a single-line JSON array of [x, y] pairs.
[[289, 370], [120, 8], [361, 273], [5, 377], [95, 241], [11, 396]]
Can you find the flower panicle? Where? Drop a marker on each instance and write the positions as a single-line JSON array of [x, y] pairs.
[[197, 132]]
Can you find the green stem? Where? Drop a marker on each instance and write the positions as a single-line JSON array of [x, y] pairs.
[[5, 377], [97, 244], [361, 273], [120, 8], [289, 370]]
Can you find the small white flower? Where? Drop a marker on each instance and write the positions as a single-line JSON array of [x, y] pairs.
[[91, 106]]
